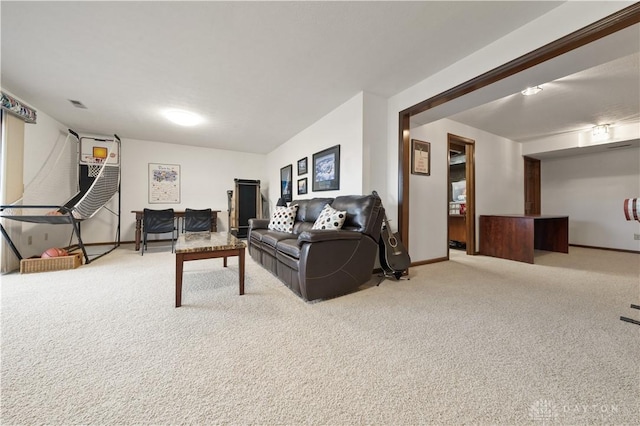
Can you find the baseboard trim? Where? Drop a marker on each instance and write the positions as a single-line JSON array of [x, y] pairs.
[[429, 261], [605, 248], [413, 264], [110, 243]]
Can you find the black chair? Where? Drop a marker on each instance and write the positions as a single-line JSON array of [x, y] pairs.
[[196, 220], [158, 222]]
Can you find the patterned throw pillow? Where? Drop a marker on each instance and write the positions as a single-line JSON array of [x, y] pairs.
[[330, 218], [282, 218]]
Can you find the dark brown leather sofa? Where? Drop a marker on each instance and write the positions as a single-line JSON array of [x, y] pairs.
[[321, 264]]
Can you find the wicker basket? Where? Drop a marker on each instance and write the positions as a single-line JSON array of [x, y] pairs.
[[51, 264]]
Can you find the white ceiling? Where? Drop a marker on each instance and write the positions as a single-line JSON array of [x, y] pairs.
[[259, 72]]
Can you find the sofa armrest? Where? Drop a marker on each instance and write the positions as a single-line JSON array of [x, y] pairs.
[[318, 235], [258, 223]]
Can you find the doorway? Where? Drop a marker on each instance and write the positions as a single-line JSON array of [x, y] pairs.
[[595, 31], [461, 189]]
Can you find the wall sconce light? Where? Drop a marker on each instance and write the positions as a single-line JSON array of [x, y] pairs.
[[601, 131], [529, 91]]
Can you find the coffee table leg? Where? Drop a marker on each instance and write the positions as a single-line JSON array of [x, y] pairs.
[[179, 265], [241, 268], [224, 262]]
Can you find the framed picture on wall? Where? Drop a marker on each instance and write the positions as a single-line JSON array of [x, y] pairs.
[[326, 169], [164, 183], [286, 180], [302, 186], [302, 166], [420, 157]]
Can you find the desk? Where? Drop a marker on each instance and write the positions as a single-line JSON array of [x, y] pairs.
[[515, 237], [140, 214], [207, 245]]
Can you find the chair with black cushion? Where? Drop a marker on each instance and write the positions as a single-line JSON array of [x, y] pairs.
[[196, 220], [158, 222]]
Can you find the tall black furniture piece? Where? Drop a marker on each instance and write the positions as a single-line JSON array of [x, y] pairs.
[[245, 203], [158, 222], [196, 220]]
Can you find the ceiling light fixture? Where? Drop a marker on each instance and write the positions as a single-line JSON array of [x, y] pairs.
[[182, 117], [529, 91]]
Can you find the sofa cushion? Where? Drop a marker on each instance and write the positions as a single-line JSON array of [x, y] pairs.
[[330, 218], [271, 239], [282, 218], [364, 213], [257, 234], [289, 247], [309, 210]]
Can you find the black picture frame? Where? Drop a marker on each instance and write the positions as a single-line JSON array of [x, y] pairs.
[[420, 157], [302, 186], [302, 166], [326, 169], [286, 180]]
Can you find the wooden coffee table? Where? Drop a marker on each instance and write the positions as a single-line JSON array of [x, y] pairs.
[[207, 245]]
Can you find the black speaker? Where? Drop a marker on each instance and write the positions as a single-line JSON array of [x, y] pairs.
[[246, 203]]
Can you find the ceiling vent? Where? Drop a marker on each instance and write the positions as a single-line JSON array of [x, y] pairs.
[[77, 104]]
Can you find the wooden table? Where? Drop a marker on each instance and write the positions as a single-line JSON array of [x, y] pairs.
[[177, 213], [207, 245], [515, 237]]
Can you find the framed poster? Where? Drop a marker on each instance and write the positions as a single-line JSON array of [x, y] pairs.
[[326, 169], [302, 166], [420, 157], [285, 183], [302, 186], [164, 183]]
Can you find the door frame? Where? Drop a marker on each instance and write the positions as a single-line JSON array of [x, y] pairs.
[[470, 176], [611, 24]]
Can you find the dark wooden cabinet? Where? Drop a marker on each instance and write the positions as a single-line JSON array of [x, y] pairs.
[[516, 237], [245, 202]]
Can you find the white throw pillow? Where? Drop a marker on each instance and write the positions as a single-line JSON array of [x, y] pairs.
[[282, 218], [330, 218]]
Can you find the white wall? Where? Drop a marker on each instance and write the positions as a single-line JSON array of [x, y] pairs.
[[499, 182], [39, 140], [374, 145], [342, 126], [206, 175], [590, 189]]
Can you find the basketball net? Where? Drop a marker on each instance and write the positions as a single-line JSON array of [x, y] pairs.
[[94, 170]]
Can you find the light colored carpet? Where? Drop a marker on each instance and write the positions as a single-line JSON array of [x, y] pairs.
[[473, 340]]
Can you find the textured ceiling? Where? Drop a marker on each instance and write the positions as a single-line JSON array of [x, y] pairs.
[[258, 72]]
